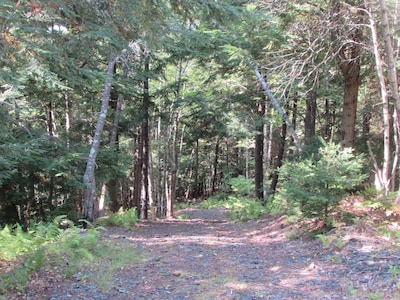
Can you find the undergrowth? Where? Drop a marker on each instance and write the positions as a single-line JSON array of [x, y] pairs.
[[120, 219], [240, 208], [70, 252]]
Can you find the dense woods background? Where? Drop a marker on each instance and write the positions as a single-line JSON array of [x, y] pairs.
[[109, 104]]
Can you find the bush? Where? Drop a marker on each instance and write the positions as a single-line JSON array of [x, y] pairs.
[[316, 185]]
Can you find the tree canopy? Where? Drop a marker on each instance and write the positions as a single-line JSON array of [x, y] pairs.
[[140, 104]]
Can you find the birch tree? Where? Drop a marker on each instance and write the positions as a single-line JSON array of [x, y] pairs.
[[90, 204]]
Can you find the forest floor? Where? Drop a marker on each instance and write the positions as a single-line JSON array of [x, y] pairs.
[[203, 255]]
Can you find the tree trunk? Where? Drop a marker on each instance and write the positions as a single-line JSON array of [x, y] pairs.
[[174, 166], [350, 67], [215, 166], [390, 58], [146, 140], [196, 184], [268, 133], [311, 112], [275, 103], [51, 121], [68, 118], [384, 173], [279, 159], [137, 173], [90, 210], [258, 152], [160, 166], [167, 165], [112, 184]]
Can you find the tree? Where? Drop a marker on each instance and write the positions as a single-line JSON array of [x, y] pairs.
[[316, 185], [349, 37], [90, 205]]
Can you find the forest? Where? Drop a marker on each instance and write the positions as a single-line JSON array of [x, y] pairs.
[[119, 105]]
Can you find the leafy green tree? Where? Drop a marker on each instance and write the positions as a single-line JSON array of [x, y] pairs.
[[317, 184]]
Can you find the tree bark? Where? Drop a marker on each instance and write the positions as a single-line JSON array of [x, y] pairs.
[[137, 172], [51, 121], [384, 173], [390, 58], [279, 159], [350, 68], [174, 166], [258, 152], [90, 209], [215, 166], [311, 111], [112, 185], [146, 140]]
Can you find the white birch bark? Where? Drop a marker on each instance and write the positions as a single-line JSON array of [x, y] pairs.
[[385, 171], [275, 103], [90, 207]]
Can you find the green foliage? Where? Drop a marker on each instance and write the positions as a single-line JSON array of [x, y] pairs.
[[240, 185], [240, 208], [45, 244], [351, 291], [394, 271], [316, 185], [14, 242], [325, 240], [376, 199], [70, 251], [376, 295], [121, 218]]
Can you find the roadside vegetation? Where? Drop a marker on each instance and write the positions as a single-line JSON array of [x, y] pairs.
[[60, 247]]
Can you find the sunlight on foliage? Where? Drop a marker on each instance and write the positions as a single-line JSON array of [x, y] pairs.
[[45, 244], [122, 218], [240, 208]]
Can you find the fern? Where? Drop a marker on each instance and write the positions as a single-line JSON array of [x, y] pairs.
[[45, 244], [14, 242]]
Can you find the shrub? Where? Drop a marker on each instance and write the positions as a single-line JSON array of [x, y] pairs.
[[316, 185]]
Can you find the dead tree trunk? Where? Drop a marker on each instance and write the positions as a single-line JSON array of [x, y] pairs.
[[275, 103]]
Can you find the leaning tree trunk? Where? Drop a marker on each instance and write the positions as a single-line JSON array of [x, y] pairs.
[[90, 209], [275, 103]]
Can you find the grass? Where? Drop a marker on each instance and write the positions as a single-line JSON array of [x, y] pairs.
[[110, 259]]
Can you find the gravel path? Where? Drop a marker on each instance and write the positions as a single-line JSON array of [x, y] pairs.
[[204, 256]]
